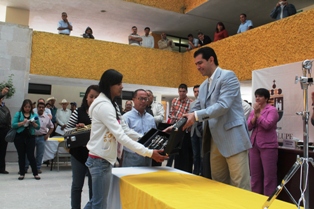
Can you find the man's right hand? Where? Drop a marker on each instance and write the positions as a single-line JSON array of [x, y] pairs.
[[158, 157], [5, 90]]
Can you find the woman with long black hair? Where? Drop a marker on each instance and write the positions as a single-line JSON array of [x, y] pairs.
[[26, 121], [105, 133]]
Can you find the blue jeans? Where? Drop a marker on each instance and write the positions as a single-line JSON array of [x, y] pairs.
[[197, 147], [40, 149], [79, 171], [132, 159], [101, 172]]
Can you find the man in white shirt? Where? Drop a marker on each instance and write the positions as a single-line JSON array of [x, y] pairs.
[[63, 114], [64, 26], [148, 40], [154, 108]]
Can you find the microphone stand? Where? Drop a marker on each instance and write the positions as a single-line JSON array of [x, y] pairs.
[[301, 162]]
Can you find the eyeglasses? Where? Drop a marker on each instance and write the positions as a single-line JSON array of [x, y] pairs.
[[143, 99]]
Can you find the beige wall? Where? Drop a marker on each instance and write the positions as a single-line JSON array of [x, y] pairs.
[[17, 16]]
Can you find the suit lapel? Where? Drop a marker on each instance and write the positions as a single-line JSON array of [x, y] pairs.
[[213, 82]]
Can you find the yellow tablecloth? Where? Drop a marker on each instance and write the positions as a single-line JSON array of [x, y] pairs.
[[165, 190], [59, 139]]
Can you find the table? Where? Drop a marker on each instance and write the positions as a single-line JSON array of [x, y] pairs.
[[51, 147], [163, 187]]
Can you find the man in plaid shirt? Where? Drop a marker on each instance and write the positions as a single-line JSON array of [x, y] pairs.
[[180, 106]]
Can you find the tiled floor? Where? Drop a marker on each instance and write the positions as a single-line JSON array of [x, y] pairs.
[[52, 191]]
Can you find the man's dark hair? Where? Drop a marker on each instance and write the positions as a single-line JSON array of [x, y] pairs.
[[190, 35], [206, 53], [146, 28], [135, 92], [41, 103], [263, 93], [243, 14], [195, 87], [134, 27], [183, 86], [200, 33]]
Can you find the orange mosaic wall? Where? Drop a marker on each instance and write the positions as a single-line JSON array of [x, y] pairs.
[[73, 57]]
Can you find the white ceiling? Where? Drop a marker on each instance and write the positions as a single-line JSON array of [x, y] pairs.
[[115, 24]]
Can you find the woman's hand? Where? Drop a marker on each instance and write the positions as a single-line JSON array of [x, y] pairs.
[[34, 124], [80, 125], [257, 109], [158, 157]]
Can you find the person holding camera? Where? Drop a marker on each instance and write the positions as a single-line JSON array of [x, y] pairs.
[[282, 10], [25, 122]]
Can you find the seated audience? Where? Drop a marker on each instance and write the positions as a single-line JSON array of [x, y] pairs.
[[88, 33], [264, 153], [164, 43], [245, 24], [221, 32], [282, 10], [203, 39]]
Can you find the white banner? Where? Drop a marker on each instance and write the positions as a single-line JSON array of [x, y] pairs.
[[287, 97]]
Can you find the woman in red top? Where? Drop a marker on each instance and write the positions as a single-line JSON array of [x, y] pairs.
[[221, 32]]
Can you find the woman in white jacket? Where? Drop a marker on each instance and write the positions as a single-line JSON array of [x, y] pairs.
[[105, 133]]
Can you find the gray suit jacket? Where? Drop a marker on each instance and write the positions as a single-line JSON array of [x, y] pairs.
[[221, 107]]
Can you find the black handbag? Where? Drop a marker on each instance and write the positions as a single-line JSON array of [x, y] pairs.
[[10, 135]]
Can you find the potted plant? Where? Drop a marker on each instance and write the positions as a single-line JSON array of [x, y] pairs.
[[10, 85]]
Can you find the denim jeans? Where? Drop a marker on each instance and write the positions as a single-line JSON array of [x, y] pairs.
[[132, 159], [79, 171], [197, 147], [101, 172], [40, 149]]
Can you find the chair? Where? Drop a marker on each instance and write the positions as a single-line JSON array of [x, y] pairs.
[[60, 154]]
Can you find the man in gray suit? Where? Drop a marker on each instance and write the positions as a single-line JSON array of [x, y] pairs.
[[219, 107]]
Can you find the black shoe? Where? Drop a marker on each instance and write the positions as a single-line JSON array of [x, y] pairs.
[[37, 177], [4, 172], [21, 178]]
